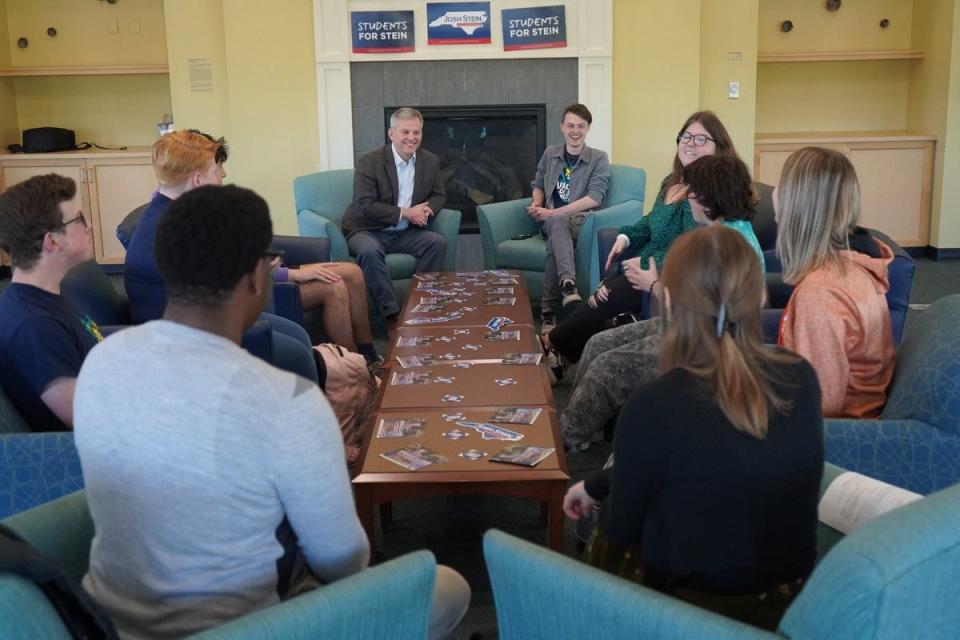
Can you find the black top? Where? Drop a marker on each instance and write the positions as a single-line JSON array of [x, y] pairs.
[[714, 508], [42, 338]]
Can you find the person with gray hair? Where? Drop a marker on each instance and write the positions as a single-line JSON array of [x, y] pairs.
[[396, 190]]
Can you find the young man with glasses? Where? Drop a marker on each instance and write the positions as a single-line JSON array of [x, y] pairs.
[[43, 339]]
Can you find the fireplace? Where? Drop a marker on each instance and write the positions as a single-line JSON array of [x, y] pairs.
[[487, 154]]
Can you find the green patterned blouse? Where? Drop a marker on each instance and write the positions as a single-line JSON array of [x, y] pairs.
[[653, 234]]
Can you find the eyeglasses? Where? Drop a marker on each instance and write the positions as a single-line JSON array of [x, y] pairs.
[[79, 218], [698, 140]]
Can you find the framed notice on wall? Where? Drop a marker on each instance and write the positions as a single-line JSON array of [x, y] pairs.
[[382, 31], [458, 23], [534, 28]]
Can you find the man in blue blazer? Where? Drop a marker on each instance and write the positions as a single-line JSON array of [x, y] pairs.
[[395, 191]]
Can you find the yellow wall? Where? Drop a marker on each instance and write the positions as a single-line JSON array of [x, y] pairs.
[[9, 133], [656, 62], [854, 27], [195, 31], [934, 107], [264, 98], [108, 110], [671, 59], [728, 52], [273, 99], [83, 36], [833, 96]]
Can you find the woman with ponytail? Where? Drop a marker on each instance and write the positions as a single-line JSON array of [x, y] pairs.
[[713, 494]]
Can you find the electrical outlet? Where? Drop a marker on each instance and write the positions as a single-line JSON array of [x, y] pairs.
[[135, 27], [113, 26], [733, 90]]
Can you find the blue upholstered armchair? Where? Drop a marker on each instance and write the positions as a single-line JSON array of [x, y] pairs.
[[900, 273], [322, 198], [895, 577], [36, 468], [916, 442], [500, 221], [391, 600]]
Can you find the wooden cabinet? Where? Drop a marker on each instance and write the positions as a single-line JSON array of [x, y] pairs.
[[110, 184], [895, 170]]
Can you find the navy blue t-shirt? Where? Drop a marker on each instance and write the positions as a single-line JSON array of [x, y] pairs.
[[141, 278], [42, 338]]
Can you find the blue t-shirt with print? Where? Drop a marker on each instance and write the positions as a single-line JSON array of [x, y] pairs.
[[42, 338]]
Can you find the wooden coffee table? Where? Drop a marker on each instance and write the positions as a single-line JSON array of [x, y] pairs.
[[475, 393], [382, 482]]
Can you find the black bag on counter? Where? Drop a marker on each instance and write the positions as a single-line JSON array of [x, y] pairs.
[[47, 139]]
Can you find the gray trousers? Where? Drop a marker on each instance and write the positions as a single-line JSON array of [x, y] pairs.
[[371, 249], [613, 364], [561, 234]]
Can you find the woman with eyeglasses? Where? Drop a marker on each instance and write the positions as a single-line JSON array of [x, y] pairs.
[[719, 191], [701, 135], [713, 494]]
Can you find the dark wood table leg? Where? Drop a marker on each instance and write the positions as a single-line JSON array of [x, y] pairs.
[[386, 515], [363, 494], [555, 517]]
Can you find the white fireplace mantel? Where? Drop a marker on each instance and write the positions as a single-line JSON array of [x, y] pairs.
[[589, 40]]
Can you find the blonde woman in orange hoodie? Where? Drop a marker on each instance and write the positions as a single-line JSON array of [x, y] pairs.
[[837, 317]]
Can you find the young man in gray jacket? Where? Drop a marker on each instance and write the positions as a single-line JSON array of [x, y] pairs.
[[571, 182]]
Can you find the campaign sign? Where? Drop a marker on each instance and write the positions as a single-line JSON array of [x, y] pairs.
[[382, 31], [534, 28], [458, 22]]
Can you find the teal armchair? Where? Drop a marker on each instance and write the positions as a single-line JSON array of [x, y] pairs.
[[500, 221], [895, 577], [391, 600], [321, 200]]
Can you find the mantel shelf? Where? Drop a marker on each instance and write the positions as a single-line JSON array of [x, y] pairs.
[[130, 70], [837, 56]]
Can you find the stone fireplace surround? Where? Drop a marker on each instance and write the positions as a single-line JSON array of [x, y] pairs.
[[457, 83]]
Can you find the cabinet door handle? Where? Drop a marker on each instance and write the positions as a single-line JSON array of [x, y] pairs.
[[83, 175], [91, 175]]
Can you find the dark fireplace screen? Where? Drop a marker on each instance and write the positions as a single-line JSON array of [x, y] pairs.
[[487, 154]]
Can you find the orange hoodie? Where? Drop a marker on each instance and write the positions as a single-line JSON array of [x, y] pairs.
[[837, 318]]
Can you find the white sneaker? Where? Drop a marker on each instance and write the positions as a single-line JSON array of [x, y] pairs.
[[547, 324]]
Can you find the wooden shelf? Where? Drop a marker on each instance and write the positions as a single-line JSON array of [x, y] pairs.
[[825, 137], [838, 56], [146, 69]]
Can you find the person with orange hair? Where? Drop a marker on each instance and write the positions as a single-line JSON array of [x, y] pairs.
[[186, 159]]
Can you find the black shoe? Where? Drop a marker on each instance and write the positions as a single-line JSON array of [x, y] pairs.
[[375, 367], [568, 289]]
